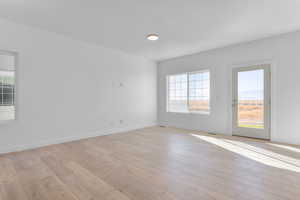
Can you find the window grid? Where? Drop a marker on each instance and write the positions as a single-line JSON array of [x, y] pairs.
[[199, 91], [7, 95], [177, 92], [189, 92], [7, 88]]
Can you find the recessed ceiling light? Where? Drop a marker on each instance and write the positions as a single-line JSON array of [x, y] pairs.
[[152, 37]]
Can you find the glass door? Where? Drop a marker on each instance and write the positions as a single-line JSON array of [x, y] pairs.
[[251, 101]]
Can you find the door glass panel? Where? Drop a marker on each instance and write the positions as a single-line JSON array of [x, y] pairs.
[[251, 99]]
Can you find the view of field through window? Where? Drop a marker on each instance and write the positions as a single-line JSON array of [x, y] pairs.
[[251, 99], [199, 91]]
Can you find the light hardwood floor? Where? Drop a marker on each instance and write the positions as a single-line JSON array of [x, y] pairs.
[[153, 164]]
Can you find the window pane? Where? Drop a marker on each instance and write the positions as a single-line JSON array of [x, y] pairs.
[[251, 99], [7, 87], [177, 93], [199, 92]]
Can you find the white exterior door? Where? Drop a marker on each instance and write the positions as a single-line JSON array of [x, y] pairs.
[[251, 101]]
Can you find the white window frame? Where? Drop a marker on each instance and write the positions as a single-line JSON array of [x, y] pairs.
[[188, 96]]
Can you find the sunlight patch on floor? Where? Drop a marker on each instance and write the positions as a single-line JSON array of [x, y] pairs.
[[285, 147], [252, 154], [265, 152]]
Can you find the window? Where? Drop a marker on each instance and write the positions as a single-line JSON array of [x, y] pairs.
[[7, 86], [189, 92]]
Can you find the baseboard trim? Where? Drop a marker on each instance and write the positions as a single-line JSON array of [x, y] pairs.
[[209, 131], [44, 143]]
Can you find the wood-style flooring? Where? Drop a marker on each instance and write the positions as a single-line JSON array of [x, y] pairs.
[[153, 164]]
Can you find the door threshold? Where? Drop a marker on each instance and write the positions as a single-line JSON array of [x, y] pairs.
[[262, 139]]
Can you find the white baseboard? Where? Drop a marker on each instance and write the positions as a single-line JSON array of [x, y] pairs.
[[212, 131], [43, 143]]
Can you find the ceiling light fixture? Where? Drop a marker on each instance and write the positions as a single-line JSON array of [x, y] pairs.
[[152, 37]]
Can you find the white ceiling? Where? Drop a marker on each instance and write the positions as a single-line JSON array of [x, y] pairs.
[[184, 26]]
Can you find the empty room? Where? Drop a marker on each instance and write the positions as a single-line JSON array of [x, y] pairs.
[[149, 100]]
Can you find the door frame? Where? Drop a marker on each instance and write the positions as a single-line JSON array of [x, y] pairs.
[[251, 132]]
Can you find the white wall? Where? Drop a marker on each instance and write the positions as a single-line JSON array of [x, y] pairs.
[[68, 89], [282, 52]]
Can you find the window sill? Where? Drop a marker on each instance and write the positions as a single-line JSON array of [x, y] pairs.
[[7, 121], [190, 112]]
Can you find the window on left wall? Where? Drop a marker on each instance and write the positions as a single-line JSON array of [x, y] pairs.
[[7, 86]]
